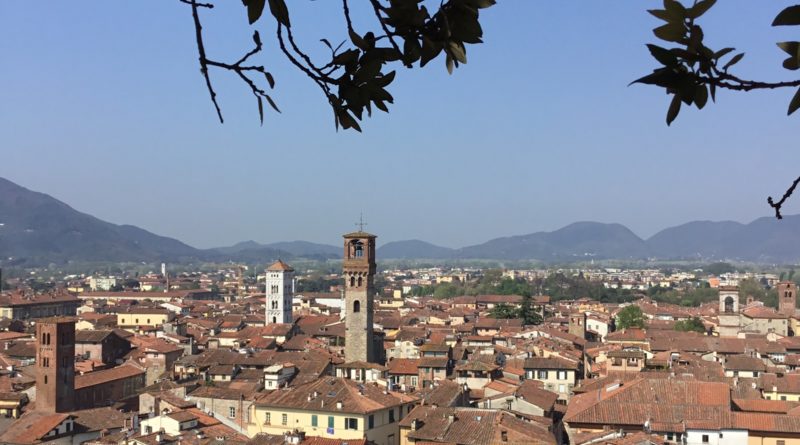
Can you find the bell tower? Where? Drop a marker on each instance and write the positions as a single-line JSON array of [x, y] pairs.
[[279, 293], [787, 297], [359, 276], [55, 364]]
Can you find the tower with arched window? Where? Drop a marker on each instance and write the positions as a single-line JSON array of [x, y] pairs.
[[359, 275], [55, 364], [787, 298], [279, 293], [729, 319]]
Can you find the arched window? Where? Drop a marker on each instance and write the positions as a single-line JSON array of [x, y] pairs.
[[47, 336], [356, 306], [356, 249], [359, 281], [45, 380], [44, 338], [729, 304], [352, 281], [274, 319]]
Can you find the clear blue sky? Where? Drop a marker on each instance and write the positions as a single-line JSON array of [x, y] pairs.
[[103, 107]]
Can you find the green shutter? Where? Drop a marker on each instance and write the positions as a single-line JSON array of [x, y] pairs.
[[314, 420]]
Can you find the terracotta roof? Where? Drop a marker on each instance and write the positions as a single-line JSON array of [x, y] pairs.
[[330, 391], [549, 363], [32, 427], [667, 401], [404, 366], [125, 371], [472, 426], [744, 363], [280, 266]]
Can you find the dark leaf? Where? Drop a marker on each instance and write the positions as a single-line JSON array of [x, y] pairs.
[[327, 43], [357, 40], [665, 15], [713, 90], [734, 60], [788, 17], [254, 9], [671, 32], [280, 12], [664, 56], [795, 103], [700, 8], [270, 79], [272, 104], [722, 52], [260, 110], [674, 109], [256, 38], [700, 96], [449, 63], [675, 7]]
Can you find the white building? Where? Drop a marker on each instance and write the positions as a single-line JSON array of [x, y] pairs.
[[279, 293]]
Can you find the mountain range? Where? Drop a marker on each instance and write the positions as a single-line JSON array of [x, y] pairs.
[[36, 229]]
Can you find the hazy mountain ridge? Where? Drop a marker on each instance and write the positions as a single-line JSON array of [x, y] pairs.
[[36, 228]]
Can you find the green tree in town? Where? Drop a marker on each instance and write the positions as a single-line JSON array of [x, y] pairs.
[[694, 324], [504, 310], [630, 316]]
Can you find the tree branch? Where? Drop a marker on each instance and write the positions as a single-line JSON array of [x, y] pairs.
[[201, 50], [777, 205]]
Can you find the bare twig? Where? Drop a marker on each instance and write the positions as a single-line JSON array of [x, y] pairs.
[[239, 68], [777, 205], [201, 50]]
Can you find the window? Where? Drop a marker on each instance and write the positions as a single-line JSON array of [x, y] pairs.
[[284, 419], [561, 388], [314, 420], [350, 423], [232, 412], [45, 380], [148, 321], [356, 306], [137, 321], [391, 415], [705, 436], [330, 422], [371, 421], [413, 381], [780, 442], [267, 418], [541, 375], [562, 375], [783, 397]]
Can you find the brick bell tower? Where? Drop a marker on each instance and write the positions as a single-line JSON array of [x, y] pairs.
[[55, 364], [787, 297], [359, 276]]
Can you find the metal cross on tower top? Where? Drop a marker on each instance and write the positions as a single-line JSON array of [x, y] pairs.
[[361, 223]]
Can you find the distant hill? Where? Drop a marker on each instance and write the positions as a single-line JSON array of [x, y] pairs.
[[413, 249], [36, 229], [285, 249], [581, 240], [765, 240]]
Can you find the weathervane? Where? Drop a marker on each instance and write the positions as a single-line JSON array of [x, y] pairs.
[[361, 223]]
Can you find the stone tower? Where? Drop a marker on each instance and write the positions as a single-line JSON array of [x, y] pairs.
[[577, 324], [359, 274], [729, 320], [279, 293], [55, 364], [787, 297]]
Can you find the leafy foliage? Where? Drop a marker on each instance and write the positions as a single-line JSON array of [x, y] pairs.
[[691, 71], [694, 324], [355, 78], [630, 317]]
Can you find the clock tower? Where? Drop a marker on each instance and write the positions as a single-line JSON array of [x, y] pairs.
[[359, 296]]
